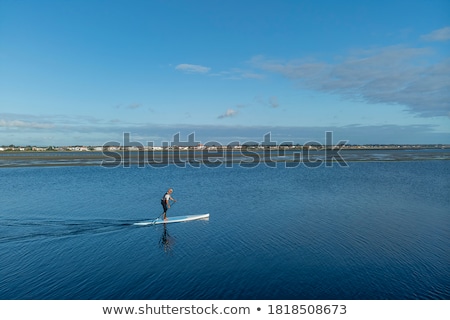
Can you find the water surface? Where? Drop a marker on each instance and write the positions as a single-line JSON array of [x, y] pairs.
[[372, 230]]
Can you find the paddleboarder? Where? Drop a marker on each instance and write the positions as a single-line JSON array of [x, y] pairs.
[[165, 201]]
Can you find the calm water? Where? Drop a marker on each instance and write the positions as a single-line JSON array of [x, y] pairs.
[[373, 230]]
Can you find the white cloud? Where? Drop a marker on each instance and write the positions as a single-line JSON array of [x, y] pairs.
[[24, 124], [229, 113], [192, 68], [438, 35], [391, 75]]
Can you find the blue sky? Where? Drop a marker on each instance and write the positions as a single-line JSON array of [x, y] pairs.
[[85, 72]]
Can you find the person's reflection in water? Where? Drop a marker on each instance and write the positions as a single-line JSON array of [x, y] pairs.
[[166, 242]]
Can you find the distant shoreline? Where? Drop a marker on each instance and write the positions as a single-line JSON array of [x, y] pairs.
[[182, 158], [34, 149]]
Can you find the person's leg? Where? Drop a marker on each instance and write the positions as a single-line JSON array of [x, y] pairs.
[[164, 205]]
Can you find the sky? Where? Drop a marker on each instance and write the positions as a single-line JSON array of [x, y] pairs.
[[87, 72]]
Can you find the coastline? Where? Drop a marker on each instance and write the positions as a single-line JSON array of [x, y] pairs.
[[214, 158]]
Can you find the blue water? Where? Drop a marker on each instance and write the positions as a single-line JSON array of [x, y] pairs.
[[372, 230]]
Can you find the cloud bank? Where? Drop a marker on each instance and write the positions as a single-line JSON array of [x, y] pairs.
[[392, 75], [437, 35], [60, 131], [24, 124]]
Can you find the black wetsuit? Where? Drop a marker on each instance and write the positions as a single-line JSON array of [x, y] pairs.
[[164, 202]]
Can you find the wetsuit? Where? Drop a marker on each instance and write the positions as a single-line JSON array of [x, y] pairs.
[[165, 201]]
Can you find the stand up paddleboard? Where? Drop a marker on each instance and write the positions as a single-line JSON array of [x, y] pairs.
[[173, 219]]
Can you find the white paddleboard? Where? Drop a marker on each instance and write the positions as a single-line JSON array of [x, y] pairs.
[[173, 219]]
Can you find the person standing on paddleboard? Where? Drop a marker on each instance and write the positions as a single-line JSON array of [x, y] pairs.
[[165, 201]]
